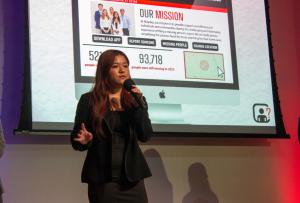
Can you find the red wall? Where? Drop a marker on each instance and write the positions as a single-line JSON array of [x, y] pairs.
[[285, 19]]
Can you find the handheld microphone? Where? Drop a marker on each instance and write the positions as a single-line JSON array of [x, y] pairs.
[[128, 86]]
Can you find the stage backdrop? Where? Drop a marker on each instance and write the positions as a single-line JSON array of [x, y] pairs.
[[227, 160]]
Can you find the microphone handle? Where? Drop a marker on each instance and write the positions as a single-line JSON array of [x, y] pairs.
[[139, 100]]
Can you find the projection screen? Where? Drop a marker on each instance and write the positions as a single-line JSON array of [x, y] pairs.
[[205, 66]]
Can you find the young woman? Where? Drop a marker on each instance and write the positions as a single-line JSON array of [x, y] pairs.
[[108, 124], [111, 12], [116, 25], [105, 23]]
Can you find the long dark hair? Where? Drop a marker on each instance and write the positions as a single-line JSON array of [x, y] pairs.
[[116, 18], [102, 87]]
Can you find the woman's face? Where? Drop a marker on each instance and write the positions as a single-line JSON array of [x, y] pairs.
[[104, 12], [111, 10], [119, 71], [116, 14]]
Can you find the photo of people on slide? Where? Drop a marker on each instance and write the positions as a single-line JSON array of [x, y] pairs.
[[112, 20]]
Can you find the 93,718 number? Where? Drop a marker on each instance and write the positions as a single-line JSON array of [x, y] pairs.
[[150, 59]]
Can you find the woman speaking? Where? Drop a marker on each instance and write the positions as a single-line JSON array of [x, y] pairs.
[[109, 122]]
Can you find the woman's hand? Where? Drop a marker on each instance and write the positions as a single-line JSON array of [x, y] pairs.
[[136, 90], [84, 136]]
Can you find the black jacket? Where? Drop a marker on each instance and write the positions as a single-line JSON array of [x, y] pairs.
[[97, 164]]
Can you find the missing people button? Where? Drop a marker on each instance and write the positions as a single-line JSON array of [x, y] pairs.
[[174, 44]]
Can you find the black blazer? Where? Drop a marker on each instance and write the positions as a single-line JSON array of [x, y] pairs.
[[97, 164]]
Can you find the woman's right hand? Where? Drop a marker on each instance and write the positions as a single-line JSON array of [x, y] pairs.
[[84, 136]]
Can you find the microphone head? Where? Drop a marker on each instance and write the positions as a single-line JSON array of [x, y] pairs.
[[128, 84]]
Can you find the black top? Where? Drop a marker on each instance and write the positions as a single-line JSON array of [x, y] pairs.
[[117, 121], [97, 166]]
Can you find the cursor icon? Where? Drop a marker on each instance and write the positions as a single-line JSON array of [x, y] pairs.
[[221, 72]]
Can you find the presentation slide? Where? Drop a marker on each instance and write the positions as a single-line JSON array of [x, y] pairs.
[[163, 42], [203, 65]]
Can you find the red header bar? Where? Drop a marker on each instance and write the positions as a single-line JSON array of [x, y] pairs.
[[174, 5]]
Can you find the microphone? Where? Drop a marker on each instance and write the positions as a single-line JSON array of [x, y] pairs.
[[128, 86]]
